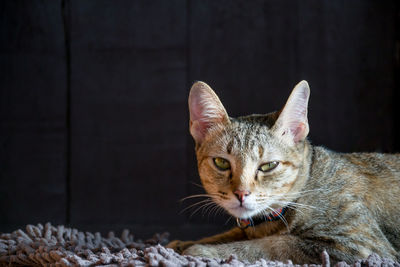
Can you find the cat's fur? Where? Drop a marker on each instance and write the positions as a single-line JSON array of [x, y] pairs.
[[346, 204]]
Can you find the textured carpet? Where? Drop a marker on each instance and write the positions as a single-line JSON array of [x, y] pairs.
[[50, 245]]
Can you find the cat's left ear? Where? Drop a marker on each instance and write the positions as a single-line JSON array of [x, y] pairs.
[[206, 111], [292, 123]]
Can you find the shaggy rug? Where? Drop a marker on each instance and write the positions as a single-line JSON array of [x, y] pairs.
[[50, 245]]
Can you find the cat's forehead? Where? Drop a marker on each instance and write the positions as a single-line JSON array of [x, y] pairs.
[[244, 136], [247, 131]]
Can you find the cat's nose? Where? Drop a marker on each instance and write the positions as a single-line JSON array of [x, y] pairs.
[[241, 195]]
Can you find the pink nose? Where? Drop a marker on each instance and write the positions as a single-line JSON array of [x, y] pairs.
[[241, 195]]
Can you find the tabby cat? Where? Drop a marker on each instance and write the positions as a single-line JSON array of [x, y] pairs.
[[292, 200]]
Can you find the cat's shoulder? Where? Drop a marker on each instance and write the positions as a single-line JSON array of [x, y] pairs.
[[358, 160]]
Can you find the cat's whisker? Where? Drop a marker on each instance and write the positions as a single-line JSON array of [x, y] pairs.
[[301, 193], [282, 218], [252, 222], [302, 205], [299, 204], [208, 209], [195, 204], [202, 203], [198, 195], [229, 218], [217, 210], [213, 211], [201, 207], [196, 184], [221, 210], [264, 215], [292, 207], [291, 194], [296, 206]]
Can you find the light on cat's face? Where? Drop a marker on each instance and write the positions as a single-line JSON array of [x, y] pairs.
[[248, 165], [246, 178]]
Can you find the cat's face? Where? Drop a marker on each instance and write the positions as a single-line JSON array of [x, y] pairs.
[[249, 165]]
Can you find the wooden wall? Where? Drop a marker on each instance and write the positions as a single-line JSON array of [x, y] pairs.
[[93, 97]]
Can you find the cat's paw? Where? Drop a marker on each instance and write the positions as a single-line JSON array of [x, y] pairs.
[[179, 246], [204, 251]]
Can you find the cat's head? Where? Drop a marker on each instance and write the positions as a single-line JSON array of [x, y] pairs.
[[249, 165]]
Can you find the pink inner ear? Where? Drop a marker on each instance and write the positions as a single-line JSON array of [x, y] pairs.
[[205, 110], [199, 128], [299, 132], [198, 123], [196, 131], [195, 109]]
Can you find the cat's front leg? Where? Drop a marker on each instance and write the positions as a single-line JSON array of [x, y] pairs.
[[179, 246], [234, 234], [249, 250], [204, 251], [277, 247], [283, 248]]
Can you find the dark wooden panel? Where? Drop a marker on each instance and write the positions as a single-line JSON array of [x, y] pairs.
[[245, 50], [396, 69], [346, 52], [128, 111], [32, 114]]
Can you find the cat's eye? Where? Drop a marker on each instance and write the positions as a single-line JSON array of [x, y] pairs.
[[269, 166], [222, 164]]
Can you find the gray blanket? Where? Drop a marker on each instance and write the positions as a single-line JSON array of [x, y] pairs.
[[50, 245]]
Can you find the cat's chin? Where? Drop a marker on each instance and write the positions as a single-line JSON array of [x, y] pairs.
[[242, 212]]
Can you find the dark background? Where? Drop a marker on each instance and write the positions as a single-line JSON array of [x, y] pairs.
[[93, 98]]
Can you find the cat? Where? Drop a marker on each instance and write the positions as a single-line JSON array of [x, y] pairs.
[[292, 200]]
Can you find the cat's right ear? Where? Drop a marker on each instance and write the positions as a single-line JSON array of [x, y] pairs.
[[206, 111], [292, 124]]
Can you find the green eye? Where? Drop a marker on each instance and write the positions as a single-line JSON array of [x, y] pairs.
[[222, 164], [268, 166]]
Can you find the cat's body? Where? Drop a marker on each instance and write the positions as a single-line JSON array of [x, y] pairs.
[[346, 204]]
